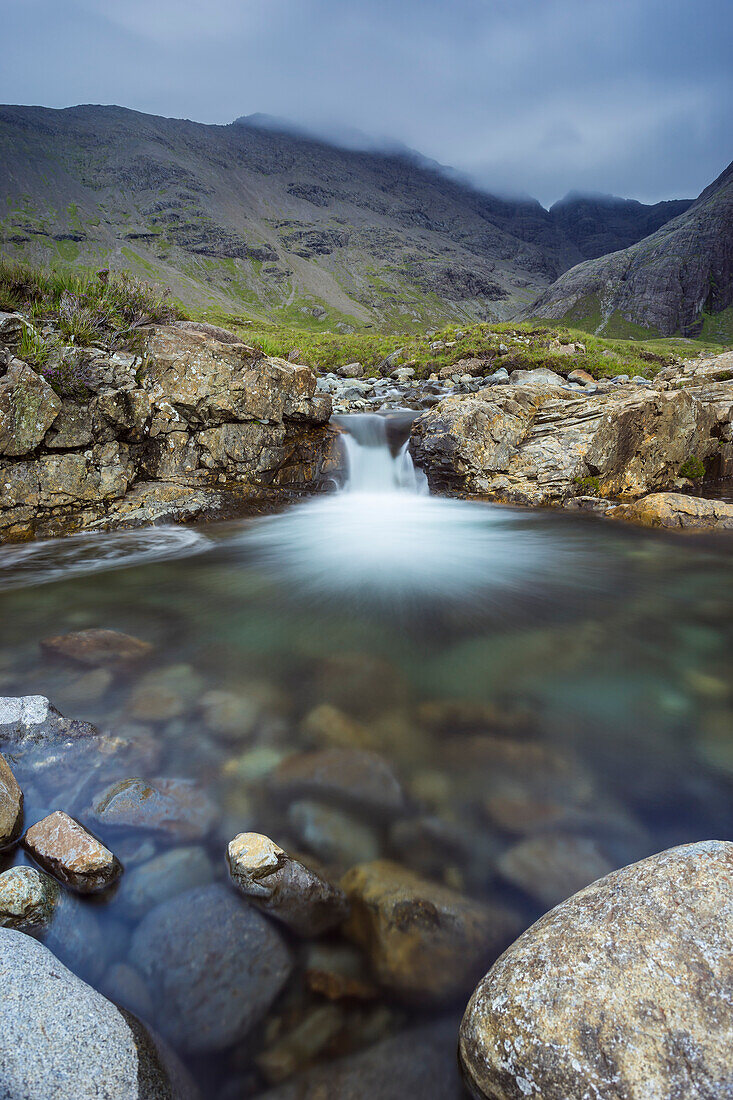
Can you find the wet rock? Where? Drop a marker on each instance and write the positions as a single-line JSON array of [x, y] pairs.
[[426, 942], [419, 1062], [339, 971], [32, 720], [88, 1048], [28, 408], [212, 964], [174, 809], [352, 778], [332, 835], [28, 899], [66, 850], [154, 881], [98, 648], [90, 687], [623, 990], [11, 806], [164, 694], [678, 512], [552, 866], [283, 887], [328, 727]]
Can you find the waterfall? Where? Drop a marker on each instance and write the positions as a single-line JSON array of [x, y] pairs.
[[376, 455]]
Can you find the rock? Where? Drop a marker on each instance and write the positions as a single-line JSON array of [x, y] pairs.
[[338, 970], [426, 942], [28, 408], [31, 720], [283, 887], [552, 866], [165, 693], [98, 648], [350, 370], [678, 512], [623, 990], [419, 1062], [163, 877], [28, 899], [581, 376], [11, 806], [89, 1046], [123, 985], [72, 855], [328, 726], [212, 964], [540, 376], [301, 1044], [352, 778], [175, 809], [332, 835], [403, 374]]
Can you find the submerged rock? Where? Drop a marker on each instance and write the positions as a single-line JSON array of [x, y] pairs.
[[552, 866], [623, 990], [176, 809], [352, 778], [60, 1038], [165, 693], [283, 887], [11, 806], [425, 941], [212, 964], [98, 648], [166, 875], [64, 848]]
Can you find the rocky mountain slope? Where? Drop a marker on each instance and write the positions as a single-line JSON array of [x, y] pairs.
[[678, 280], [598, 224], [255, 220]]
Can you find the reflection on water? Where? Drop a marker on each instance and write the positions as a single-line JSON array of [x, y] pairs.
[[553, 695]]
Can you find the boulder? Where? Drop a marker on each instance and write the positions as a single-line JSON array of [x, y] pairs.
[[28, 899], [11, 806], [677, 512], [426, 942], [89, 1047], [212, 964], [350, 370], [28, 408], [622, 990], [72, 855]]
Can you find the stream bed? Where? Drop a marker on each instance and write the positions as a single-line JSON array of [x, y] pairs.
[[552, 693]]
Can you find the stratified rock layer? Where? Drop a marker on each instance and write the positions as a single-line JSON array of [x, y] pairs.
[[623, 990]]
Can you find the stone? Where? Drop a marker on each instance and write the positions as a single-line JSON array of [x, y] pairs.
[[11, 806], [283, 887], [97, 648], [350, 370], [352, 778], [338, 971], [90, 1048], [165, 693], [623, 990], [418, 1062], [212, 964], [28, 408], [332, 835], [174, 809], [539, 376], [165, 876], [301, 1044], [66, 850], [581, 376], [552, 866], [426, 942], [125, 987], [28, 899], [677, 511], [31, 720]]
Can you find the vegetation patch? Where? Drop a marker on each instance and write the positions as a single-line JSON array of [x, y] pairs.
[[693, 468]]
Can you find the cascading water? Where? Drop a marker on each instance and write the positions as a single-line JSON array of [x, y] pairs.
[[376, 454]]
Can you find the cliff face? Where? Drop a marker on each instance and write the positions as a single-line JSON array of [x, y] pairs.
[[278, 225], [599, 224], [671, 282]]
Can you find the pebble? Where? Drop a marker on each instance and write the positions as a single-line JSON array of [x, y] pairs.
[[66, 850], [283, 887], [28, 899]]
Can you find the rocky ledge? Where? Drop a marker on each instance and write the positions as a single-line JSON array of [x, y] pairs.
[[538, 438], [194, 423]]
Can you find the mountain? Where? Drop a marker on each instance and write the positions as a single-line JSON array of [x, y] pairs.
[[598, 224], [677, 280], [265, 220]]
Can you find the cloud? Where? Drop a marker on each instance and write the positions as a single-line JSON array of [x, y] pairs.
[[538, 96]]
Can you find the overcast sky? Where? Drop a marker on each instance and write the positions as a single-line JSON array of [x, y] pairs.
[[538, 96]]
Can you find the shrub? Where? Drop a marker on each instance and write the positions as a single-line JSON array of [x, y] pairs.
[[693, 469]]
